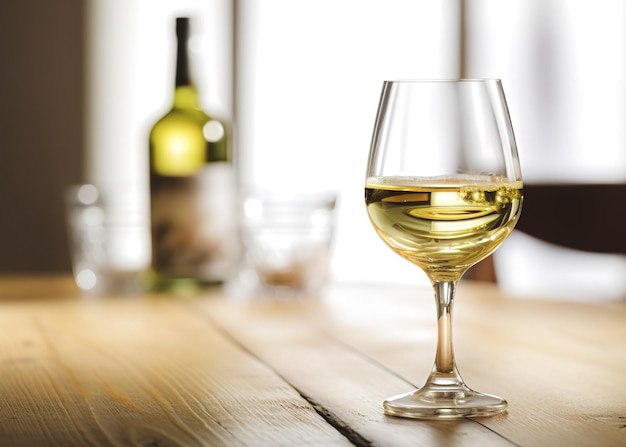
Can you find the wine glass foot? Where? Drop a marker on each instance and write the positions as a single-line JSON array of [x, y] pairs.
[[427, 403]]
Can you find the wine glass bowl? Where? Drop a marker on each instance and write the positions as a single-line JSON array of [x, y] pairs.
[[443, 190]]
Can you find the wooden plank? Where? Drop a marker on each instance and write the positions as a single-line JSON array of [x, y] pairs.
[[561, 366], [209, 371], [345, 386], [23, 286], [139, 372], [567, 378]]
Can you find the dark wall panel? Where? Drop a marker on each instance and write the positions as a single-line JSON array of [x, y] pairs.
[[41, 129]]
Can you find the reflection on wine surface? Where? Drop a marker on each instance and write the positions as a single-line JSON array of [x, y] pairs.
[[443, 225]]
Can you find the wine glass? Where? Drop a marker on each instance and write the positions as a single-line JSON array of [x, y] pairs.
[[443, 190]]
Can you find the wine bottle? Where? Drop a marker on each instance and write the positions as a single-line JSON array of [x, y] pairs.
[[194, 239]]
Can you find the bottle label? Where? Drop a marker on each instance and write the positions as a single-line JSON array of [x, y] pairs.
[[194, 231]]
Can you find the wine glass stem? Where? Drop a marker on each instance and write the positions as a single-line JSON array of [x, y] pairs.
[[444, 371]]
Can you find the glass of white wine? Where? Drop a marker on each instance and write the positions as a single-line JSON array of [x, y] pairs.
[[443, 190]]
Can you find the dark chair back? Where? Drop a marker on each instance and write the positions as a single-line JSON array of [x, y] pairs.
[[587, 217]]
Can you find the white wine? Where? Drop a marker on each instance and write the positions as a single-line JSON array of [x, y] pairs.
[[191, 187], [443, 225]]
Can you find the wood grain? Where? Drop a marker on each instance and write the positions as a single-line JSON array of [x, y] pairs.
[[143, 372], [293, 339], [213, 370], [561, 366]]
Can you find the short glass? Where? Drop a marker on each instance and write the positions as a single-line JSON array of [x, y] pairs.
[[109, 241], [288, 241]]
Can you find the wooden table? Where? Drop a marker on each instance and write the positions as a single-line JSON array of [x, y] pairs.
[[210, 370]]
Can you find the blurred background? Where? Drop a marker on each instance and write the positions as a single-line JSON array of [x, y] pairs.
[[82, 81]]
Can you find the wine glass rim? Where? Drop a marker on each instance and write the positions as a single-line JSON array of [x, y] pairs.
[[443, 80]]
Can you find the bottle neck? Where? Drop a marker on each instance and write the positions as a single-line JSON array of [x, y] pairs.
[[185, 93], [183, 77]]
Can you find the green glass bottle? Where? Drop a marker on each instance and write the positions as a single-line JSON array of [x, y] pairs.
[[192, 193]]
